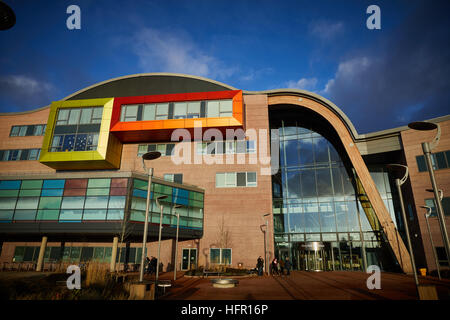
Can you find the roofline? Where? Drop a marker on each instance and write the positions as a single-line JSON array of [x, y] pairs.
[[272, 92]]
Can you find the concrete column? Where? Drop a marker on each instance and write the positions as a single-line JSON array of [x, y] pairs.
[[114, 254], [40, 261]]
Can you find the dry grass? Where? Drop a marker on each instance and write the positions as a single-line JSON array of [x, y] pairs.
[[97, 273]]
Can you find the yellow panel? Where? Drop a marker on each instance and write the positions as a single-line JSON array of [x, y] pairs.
[[98, 159]]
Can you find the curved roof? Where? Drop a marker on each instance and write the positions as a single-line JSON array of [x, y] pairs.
[[167, 83]]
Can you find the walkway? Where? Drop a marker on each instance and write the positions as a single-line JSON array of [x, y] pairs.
[[303, 285]]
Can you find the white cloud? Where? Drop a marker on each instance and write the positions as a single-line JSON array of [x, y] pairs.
[[26, 85], [303, 84], [170, 52], [325, 29], [348, 72]]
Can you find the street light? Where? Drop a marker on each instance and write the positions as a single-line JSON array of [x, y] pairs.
[[147, 156], [427, 147], [427, 215], [399, 183], [159, 236], [176, 241], [265, 242]]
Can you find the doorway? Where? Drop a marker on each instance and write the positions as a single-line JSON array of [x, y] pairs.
[[189, 260]]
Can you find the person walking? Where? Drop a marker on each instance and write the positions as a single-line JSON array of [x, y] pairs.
[[275, 266], [147, 265], [260, 266], [287, 266], [281, 264]]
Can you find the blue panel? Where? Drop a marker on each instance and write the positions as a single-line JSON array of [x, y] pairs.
[[52, 192], [69, 142], [180, 193], [141, 193], [10, 184], [54, 184], [80, 144]]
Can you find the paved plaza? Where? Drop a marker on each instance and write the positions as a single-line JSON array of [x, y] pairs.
[[303, 285]]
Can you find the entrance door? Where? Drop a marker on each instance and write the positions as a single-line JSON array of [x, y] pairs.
[[318, 256], [189, 259]]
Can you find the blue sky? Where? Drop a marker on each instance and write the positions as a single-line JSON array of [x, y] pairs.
[[379, 78]]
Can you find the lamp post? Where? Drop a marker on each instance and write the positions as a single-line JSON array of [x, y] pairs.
[[265, 242], [399, 183], [176, 241], [159, 236], [427, 147], [427, 215], [147, 156]]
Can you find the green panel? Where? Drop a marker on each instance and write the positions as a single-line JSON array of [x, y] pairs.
[[7, 203], [165, 201], [99, 183], [97, 192], [197, 204], [137, 216], [99, 253], [140, 184], [47, 214], [50, 203], [108, 253], [9, 193], [160, 188], [30, 193], [32, 184]]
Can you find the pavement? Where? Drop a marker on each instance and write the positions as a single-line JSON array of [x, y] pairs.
[[304, 285]]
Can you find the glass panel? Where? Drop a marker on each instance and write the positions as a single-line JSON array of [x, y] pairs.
[[311, 217], [52, 192], [54, 184], [213, 109], [27, 203], [99, 183], [226, 256], [291, 153], [214, 256], [96, 202], [241, 179], [25, 215], [220, 179], [6, 215], [321, 150], [47, 215], [324, 187], [115, 214], [74, 116], [306, 151], [149, 112], [86, 114], [180, 110], [308, 181], [94, 214], [50, 203], [72, 203], [10, 184], [73, 215], [116, 202], [7, 203], [251, 179], [31, 184], [327, 220]]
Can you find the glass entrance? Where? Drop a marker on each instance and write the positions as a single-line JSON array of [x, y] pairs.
[[189, 259]]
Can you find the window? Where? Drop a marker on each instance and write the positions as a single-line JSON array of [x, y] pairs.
[[442, 256], [180, 110], [77, 129], [219, 108], [439, 160], [445, 205], [15, 155], [166, 149], [220, 256], [235, 179], [174, 177], [29, 130], [227, 147]]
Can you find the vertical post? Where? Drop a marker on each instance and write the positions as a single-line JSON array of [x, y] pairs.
[[265, 248], [433, 247], [159, 245], [176, 249], [440, 211], [40, 261], [402, 206], [112, 266], [144, 238]]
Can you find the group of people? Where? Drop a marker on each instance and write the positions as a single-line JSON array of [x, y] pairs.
[[277, 267], [151, 264]]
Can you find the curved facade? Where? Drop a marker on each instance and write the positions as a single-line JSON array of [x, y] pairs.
[[280, 173]]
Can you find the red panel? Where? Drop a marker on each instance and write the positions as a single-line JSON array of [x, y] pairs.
[[160, 130]]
